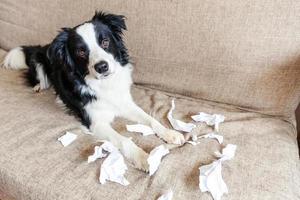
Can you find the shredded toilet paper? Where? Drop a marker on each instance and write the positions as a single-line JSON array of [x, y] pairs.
[[212, 135], [177, 124], [140, 128], [166, 196], [113, 169], [210, 178], [155, 157], [228, 152], [211, 120], [193, 143], [67, 138], [99, 151]]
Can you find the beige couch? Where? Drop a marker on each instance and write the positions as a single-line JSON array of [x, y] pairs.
[[236, 58]]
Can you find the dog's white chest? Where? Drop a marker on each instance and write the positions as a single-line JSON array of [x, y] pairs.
[[113, 94]]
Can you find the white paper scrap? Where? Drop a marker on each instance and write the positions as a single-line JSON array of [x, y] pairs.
[[108, 146], [228, 152], [210, 120], [113, 169], [194, 137], [98, 152], [145, 130], [167, 196], [155, 157], [192, 143], [210, 178], [177, 124], [213, 136], [67, 138]]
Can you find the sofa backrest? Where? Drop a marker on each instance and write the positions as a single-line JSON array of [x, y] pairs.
[[245, 53]]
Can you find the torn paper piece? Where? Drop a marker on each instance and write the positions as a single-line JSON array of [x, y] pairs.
[[166, 196], [155, 157], [113, 169], [210, 178], [145, 130], [177, 124], [98, 153], [193, 143], [109, 147], [219, 138], [213, 136], [210, 120], [67, 138], [228, 152], [194, 137]]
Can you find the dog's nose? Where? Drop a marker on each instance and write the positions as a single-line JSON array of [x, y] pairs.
[[101, 67]]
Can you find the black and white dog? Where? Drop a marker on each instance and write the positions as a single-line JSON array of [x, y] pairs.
[[89, 67]]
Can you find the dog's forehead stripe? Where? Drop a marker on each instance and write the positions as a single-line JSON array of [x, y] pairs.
[[87, 32]]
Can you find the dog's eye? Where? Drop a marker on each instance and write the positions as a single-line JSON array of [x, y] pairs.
[[81, 53], [105, 43]]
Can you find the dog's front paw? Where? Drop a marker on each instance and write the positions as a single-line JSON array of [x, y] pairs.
[[136, 155], [140, 160], [172, 136], [37, 88]]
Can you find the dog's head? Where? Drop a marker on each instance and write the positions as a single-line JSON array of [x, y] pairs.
[[94, 48]]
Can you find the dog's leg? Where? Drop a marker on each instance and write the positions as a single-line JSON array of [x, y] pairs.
[[129, 149], [135, 113]]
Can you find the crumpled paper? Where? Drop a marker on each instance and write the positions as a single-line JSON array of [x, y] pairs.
[[210, 178], [166, 196], [99, 151], [113, 169], [193, 143], [67, 138], [227, 153], [177, 124], [140, 128], [212, 135], [155, 157], [211, 120]]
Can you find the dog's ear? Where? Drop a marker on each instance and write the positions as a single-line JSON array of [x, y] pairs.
[[115, 22], [58, 52]]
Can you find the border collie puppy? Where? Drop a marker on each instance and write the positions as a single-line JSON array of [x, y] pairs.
[[89, 68]]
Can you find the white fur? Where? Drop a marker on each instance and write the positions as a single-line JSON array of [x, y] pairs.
[[114, 99], [86, 90], [42, 77], [15, 59]]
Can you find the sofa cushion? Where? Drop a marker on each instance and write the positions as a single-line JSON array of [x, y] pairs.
[[34, 165], [244, 53]]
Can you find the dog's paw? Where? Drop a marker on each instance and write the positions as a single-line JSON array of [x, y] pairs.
[[140, 160], [173, 137], [136, 155], [37, 88]]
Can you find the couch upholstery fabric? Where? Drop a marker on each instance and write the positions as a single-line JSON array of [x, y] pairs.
[[34, 165], [242, 56], [243, 53]]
